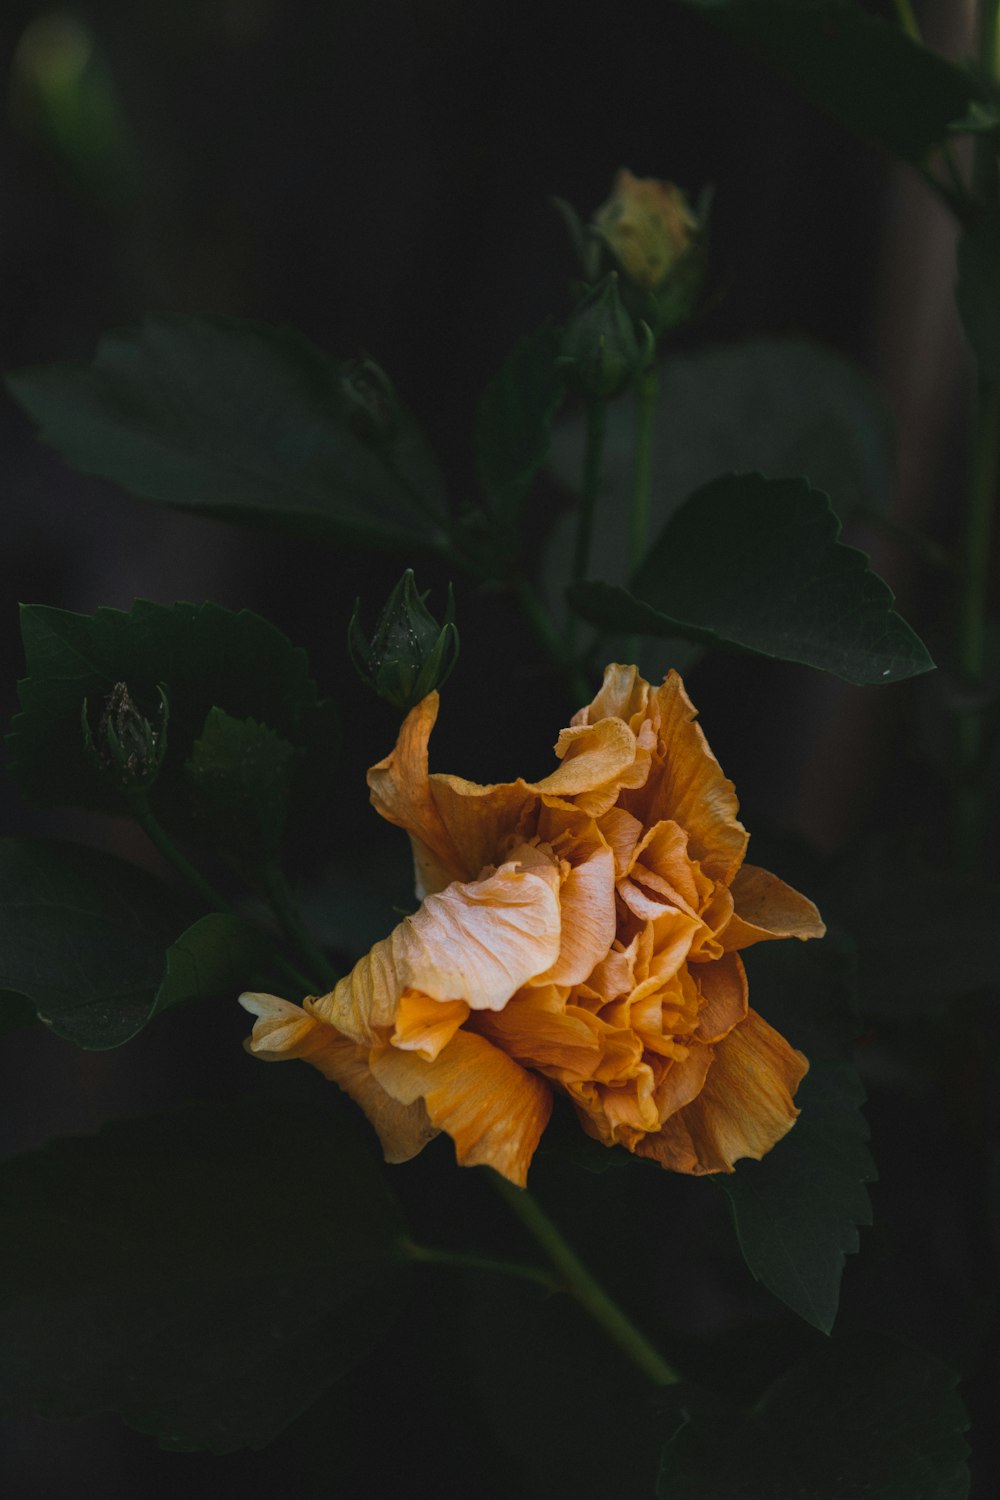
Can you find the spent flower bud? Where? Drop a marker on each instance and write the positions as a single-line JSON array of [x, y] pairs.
[[129, 747], [601, 352], [657, 241], [369, 397], [410, 653]]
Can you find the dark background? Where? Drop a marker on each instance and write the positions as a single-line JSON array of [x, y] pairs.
[[379, 175]]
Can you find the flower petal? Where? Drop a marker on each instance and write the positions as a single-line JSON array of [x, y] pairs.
[[768, 908], [743, 1109], [493, 1109], [424, 1025], [478, 941], [283, 1030], [724, 990], [400, 791]]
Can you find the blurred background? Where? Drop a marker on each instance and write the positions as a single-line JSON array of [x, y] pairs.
[[380, 176]]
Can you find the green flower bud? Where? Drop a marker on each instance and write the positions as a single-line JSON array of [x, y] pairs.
[[370, 403], [129, 748], [410, 653], [601, 353]]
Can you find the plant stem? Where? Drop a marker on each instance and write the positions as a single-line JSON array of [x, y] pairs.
[[597, 414], [283, 905], [138, 806], [974, 580], [578, 1280], [427, 1255], [907, 20], [647, 390], [984, 166]]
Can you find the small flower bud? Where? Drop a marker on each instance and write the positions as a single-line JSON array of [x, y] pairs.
[[369, 400], [601, 353], [129, 748], [410, 653], [656, 240]]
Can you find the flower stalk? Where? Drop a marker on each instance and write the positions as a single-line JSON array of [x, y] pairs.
[[579, 1281], [647, 390], [596, 418]]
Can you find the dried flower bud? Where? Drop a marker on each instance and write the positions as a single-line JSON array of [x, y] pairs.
[[601, 353], [129, 748], [369, 400], [648, 226], [410, 653]]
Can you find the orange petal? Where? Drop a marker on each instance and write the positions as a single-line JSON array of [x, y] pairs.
[[478, 942], [723, 987], [424, 1025], [744, 1108], [623, 695], [400, 791], [768, 908], [691, 789], [283, 1030], [491, 1107], [481, 821]]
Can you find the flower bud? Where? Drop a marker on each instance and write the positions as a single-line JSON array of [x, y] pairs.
[[410, 653], [129, 748], [657, 241], [370, 404], [600, 351]]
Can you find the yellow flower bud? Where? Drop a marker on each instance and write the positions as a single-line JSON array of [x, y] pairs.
[[648, 226]]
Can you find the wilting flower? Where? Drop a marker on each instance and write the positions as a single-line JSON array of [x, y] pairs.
[[579, 933]]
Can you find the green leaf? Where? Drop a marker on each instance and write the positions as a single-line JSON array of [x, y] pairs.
[[978, 292], [864, 71], [755, 564], [241, 776], [797, 1211], [514, 421], [206, 1273], [205, 656], [861, 1418], [98, 947], [237, 420]]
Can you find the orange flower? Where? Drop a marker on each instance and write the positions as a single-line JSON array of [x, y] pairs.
[[580, 933]]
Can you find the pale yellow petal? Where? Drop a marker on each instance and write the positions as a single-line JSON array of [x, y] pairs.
[[478, 941], [493, 1109], [744, 1108], [765, 907], [283, 1031]]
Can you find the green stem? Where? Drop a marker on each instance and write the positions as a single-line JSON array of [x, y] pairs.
[[427, 1255], [984, 168], [597, 414], [974, 582], [283, 905], [138, 806], [907, 20], [647, 389], [588, 1292]]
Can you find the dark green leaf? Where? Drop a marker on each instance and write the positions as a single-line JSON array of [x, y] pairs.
[[756, 564], [861, 1418], [978, 292], [864, 71], [205, 656], [241, 776], [797, 1211], [98, 947], [238, 420], [514, 422], [206, 1273]]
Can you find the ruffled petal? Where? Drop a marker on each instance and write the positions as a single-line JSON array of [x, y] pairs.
[[400, 791], [623, 695], [768, 908], [724, 992], [283, 1030], [478, 941], [493, 1109], [687, 785], [744, 1108], [424, 1025]]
